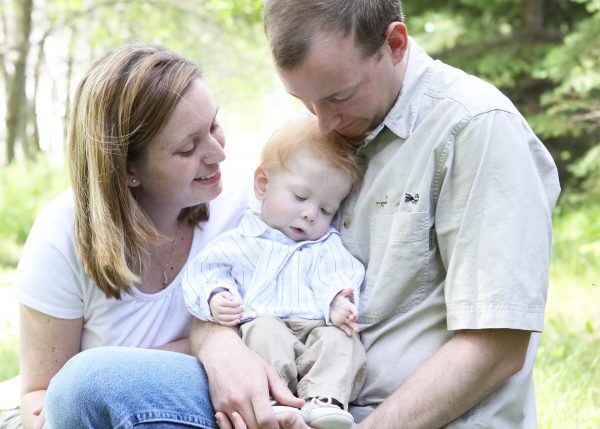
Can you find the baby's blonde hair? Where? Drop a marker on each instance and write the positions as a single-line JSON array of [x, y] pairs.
[[304, 133]]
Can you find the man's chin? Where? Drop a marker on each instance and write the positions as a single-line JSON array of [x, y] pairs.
[[355, 139]]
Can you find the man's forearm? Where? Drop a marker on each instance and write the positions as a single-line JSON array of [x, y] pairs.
[[458, 376], [203, 334]]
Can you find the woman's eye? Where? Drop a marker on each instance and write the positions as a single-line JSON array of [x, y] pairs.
[[188, 151]]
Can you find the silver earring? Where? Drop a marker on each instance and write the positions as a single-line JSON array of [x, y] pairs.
[[134, 181]]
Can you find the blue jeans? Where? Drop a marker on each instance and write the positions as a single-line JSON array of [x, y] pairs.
[[119, 387]]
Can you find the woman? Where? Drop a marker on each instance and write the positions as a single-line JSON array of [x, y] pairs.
[[103, 264]]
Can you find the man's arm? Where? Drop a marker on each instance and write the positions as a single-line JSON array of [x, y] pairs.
[[457, 377], [239, 380]]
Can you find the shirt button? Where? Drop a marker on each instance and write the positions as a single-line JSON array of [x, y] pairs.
[[347, 223]]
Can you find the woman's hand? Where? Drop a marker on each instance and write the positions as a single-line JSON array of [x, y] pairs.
[[40, 422]]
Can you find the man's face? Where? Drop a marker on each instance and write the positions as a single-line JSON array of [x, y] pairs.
[[349, 94]]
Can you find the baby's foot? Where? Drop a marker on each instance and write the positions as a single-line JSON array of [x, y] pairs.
[[280, 410], [322, 412]]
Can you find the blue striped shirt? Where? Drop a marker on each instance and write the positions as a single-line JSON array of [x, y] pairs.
[[270, 274]]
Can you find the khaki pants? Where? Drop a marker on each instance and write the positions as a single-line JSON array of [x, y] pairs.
[[312, 358]]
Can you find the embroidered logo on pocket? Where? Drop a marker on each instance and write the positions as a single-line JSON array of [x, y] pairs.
[[383, 202], [408, 198]]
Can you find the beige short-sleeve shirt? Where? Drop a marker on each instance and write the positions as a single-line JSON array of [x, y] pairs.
[[454, 225]]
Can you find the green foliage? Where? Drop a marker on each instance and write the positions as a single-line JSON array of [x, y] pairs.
[[543, 59], [567, 373], [9, 351], [24, 188], [576, 248]]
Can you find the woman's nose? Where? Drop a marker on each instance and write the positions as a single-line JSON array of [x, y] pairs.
[[215, 153]]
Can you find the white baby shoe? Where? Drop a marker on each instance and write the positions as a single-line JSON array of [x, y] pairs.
[[322, 413], [280, 410]]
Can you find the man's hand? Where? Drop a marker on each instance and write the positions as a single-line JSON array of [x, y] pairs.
[[225, 310], [240, 382], [287, 421], [343, 312]]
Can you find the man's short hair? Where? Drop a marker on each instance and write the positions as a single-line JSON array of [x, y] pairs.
[[292, 25]]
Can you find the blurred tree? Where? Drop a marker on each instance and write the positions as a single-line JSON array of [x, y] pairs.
[[224, 35], [15, 83], [538, 52]]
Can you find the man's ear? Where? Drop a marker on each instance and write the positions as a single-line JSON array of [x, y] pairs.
[[397, 40], [260, 183]]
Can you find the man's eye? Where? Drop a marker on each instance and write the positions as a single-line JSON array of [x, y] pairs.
[[341, 99]]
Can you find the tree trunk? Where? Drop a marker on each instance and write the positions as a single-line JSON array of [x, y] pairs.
[[534, 16], [70, 61], [16, 100], [34, 134]]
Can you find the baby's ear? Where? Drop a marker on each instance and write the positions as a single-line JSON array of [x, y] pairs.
[[260, 183]]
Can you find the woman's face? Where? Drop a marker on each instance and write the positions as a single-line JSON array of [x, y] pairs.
[[180, 167]]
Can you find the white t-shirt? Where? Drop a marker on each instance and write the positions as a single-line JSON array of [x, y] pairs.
[[50, 279]]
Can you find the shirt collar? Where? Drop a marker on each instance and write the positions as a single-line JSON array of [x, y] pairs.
[[252, 225], [401, 117]]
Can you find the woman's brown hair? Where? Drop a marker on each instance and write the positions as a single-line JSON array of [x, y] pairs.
[[122, 102]]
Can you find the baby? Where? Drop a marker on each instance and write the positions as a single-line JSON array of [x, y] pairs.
[[284, 276]]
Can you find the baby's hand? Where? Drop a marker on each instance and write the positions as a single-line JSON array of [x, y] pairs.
[[225, 310], [343, 312]]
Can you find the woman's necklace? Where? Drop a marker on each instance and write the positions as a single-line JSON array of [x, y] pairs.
[[168, 266]]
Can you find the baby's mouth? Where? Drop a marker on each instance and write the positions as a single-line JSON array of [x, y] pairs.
[[297, 231]]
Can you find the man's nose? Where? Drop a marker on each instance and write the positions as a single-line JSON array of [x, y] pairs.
[[328, 119]]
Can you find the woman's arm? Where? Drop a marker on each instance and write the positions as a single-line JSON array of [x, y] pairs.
[[46, 344]]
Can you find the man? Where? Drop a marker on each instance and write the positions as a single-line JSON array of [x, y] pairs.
[[453, 223]]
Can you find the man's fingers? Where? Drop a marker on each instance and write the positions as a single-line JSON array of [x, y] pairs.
[[238, 421], [263, 412], [280, 391], [223, 421], [292, 421]]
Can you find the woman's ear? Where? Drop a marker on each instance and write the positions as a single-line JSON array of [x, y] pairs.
[[132, 180], [260, 183]]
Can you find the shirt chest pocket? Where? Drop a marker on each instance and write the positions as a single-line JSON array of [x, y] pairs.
[[397, 272]]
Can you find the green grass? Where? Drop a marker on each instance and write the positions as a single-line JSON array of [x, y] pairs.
[[9, 351], [567, 373]]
